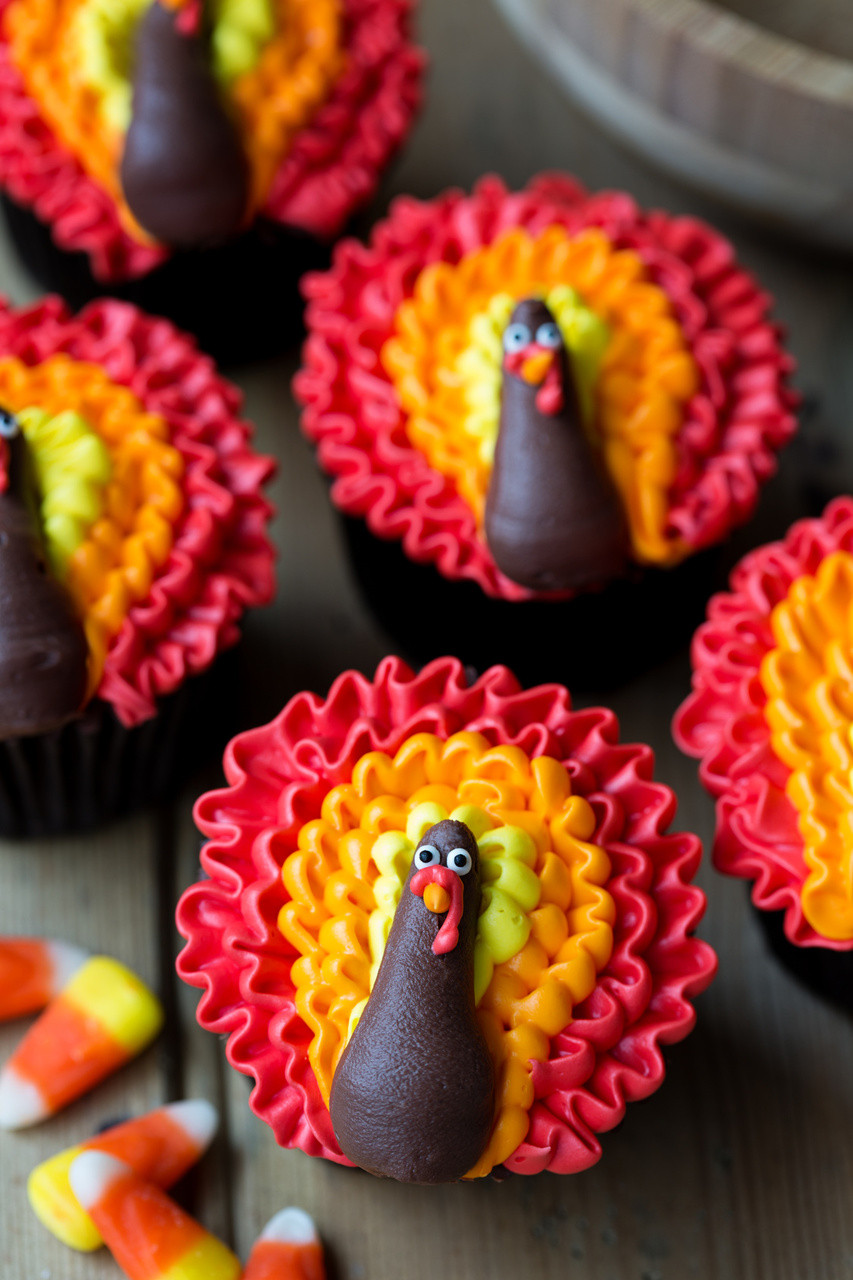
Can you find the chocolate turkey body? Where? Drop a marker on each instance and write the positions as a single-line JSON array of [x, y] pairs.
[[184, 173], [413, 1094], [43, 649], [553, 520]]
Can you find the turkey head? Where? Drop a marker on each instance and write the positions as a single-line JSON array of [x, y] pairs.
[[184, 172], [554, 520], [43, 649], [413, 1094]]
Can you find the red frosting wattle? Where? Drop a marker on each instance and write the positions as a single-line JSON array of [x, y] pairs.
[[332, 167], [278, 776], [221, 560], [723, 723], [732, 428]]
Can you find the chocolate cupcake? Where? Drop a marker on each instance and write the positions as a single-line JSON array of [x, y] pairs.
[[189, 155], [770, 719], [524, 398], [132, 539], [443, 924]]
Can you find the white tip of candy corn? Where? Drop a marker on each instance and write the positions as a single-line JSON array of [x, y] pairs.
[[291, 1226], [198, 1118], [66, 960], [92, 1173], [21, 1104]]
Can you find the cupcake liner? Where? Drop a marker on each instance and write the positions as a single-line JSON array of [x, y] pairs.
[[278, 776], [213, 293], [828, 973], [96, 769], [732, 426], [581, 641], [722, 723]]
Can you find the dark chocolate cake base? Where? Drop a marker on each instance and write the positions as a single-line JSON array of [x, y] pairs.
[[94, 769], [593, 642], [828, 973], [240, 299]]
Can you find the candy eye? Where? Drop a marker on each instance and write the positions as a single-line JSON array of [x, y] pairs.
[[548, 335], [427, 856], [516, 337], [460, 861], [9, 425]]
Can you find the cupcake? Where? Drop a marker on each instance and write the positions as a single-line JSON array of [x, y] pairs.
[[630, 347], [452, 902], [189, 155], [770, 719], [132, 539]]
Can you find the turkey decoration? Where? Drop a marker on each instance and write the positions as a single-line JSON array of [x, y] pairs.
[[433, 433], [138, 127], [43, 650], [184, 172], [553, 516], [443, 924]]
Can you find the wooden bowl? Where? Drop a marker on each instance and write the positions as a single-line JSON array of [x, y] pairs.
[[755, 118]]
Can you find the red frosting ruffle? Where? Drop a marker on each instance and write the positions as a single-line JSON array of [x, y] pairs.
[[221, 561], [332, 167], [278, 776], [722, 721], [732, 427]]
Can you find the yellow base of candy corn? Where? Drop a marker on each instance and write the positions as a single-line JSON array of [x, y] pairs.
[[209, 1260], [121, 1002], [54, 1205]]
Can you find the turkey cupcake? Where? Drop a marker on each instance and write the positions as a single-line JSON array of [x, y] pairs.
[[771, 719], [523, 398], [193, 155], [132, 540], [444, 925]]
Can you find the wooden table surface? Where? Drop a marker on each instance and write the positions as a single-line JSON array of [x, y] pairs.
[[741, 1166]]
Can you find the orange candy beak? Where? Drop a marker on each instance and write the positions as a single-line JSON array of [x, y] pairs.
[[535, 368], [436, 899]]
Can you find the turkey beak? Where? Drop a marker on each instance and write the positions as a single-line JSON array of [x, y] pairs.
[[534, 369], [436, 899]]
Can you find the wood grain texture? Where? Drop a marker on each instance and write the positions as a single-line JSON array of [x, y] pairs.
[[739, 1168], [739, 111]]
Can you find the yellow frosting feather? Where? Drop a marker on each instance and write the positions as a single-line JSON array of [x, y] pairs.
[[72, 466]]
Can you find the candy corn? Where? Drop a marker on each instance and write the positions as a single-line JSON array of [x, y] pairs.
[[149, 1236], [160, 1147], [32, 972], [288, 1248], [102, 1017]]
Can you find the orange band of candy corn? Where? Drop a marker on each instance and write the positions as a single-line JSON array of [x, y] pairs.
[[102, 1017], [32, 972], [150, 1237]]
